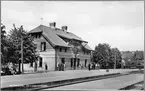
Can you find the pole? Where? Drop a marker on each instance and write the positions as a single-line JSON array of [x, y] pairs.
[[75, 62], [22, 55], [115, 61], [22, 50]]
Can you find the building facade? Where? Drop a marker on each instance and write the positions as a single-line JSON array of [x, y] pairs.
[[57, 46]]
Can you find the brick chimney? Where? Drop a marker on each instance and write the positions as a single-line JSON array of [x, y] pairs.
[[52, 24], [64, 28]]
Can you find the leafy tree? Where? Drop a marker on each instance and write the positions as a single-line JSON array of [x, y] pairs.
[[105, 56], [137, 59], [102, 54], [29, 48], [116, 56], [4, 46], [138, 55]]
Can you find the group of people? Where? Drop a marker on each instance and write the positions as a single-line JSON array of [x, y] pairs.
[[93, 66], [60, 66], [9, 70]]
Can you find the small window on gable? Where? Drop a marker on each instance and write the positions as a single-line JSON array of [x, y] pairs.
[[43, 46]]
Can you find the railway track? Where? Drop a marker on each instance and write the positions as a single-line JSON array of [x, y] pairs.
[[136, 86], [40, 86]]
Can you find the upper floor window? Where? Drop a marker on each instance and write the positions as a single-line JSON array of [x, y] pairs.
[[37, 35], [43, 46], [65, 49], [60, 49]]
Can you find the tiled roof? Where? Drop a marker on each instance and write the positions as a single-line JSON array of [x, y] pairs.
[[86, 46], [53, 35]]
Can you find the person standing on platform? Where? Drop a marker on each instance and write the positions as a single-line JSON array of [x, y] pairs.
[[89, 66], [46, 67]]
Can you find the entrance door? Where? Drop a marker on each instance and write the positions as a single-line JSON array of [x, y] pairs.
[[85, 62], [78, 62], [75, 63], [71, 64]]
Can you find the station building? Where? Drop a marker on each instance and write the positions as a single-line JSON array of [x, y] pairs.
[[58, 45]]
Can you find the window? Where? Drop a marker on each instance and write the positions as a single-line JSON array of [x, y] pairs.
[[78, 63], [35, 45], [87, 53], [65, 49], [63, 60], [85, 62], [31, 64], [36, 36], [43, 46], [40, 62], [71, 64], [39, 35], [60, 49]]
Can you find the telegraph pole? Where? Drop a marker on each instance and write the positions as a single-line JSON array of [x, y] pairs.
[[115, 61], [22, 50]]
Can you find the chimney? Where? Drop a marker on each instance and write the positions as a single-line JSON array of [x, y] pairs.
[[64, 28], [52, 24]]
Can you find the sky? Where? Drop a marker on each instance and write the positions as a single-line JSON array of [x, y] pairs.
[[118, 23]]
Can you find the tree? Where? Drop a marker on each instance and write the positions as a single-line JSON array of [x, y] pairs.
[[138, 55], [106, 56], [116, 57], [138, 58], [102, 54], [4, 46], [29, 48]]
